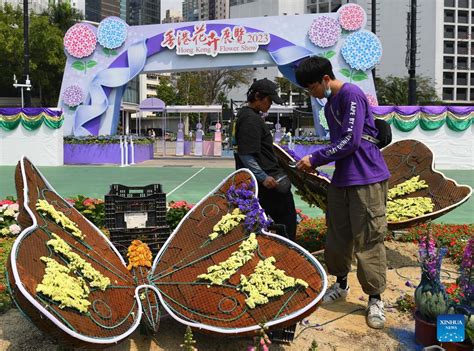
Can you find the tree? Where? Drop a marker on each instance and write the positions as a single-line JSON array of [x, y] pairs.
[[63, 15], [11, 47], [287, 88], [394, 91], [47, 57], [166, 91], [209, 87]]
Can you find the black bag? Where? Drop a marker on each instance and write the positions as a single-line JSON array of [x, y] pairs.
[[384, 135]]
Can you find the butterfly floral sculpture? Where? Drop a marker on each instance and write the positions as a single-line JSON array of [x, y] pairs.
[[220, 270]]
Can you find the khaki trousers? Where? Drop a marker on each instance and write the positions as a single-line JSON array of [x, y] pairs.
[[357, 225]]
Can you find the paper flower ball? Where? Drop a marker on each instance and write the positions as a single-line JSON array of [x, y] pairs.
[[324, 31], [80, 40], [112, 32], [372, 99], [73, 96], [362, 50], [351, 17]]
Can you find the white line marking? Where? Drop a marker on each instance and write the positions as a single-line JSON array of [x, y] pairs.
[[187, 180]]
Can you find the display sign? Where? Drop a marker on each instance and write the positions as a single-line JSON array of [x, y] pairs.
[[230, 40]]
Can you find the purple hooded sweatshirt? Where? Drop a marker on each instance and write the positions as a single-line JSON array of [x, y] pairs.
[[358, 161]]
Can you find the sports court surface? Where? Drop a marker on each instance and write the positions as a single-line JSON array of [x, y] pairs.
[[182, 179]]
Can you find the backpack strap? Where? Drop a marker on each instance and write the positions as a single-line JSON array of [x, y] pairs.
[[364, 136]]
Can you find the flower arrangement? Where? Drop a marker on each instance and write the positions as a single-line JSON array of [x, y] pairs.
[[430, 295], [267, 281], [60, 286], [60, 218], [77, 263], [311, 233], [105, 139], [219, 273], [243, 198], [228, 222], [9, 211], [139, 255], [176, 211]]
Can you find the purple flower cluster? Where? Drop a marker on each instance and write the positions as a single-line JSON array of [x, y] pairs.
[[465, 280], [431, 257], [243, 198]]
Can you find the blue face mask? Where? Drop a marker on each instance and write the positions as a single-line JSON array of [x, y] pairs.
[[327, 92]]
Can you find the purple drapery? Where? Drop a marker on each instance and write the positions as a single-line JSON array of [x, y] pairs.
[[429, 110], [30, 111]]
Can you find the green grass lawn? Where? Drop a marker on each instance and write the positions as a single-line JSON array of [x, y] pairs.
[[94, 181]]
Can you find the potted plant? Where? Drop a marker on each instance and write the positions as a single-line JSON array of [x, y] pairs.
[[430, 296], [461, 296]]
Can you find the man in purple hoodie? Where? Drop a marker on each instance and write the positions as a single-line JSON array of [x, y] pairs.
[[357, 195]]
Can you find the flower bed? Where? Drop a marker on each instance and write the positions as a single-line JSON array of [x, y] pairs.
[[100, 150]]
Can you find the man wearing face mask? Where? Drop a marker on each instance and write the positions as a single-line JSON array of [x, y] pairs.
[[357, 195], [254, 150]]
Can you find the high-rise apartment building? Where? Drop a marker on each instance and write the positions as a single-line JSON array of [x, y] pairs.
[[190, 10], [136, 13], [445, 41], [96, 10], [213, 9], [260, 8]]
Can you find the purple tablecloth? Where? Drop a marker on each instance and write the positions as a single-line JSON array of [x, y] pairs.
[[103, 153]]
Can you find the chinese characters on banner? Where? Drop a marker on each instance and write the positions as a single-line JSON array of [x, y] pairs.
[[228, 41]]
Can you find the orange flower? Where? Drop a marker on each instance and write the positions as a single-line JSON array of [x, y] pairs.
[[139, 255]]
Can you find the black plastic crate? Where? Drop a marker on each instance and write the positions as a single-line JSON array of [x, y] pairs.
[[135, 191], [153, 237], [135, 207], [285, 335]]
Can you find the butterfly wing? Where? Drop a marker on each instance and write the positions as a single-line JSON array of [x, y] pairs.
[[408, 158], [113, 313], [312, 187], [223, 309]]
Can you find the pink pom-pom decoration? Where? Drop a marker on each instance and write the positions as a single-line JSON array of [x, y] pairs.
[[351, 17], [73, 96], [324, 31], [80, 40]]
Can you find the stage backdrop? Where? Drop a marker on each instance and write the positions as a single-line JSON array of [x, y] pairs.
[[32, 132], [102, 60]]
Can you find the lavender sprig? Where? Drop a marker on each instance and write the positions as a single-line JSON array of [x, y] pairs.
[[465, 279], [430, 257], [243, 198]]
